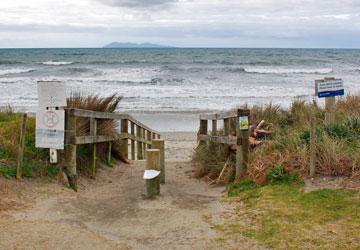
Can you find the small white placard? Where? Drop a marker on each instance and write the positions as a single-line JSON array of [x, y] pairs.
[[50, 129], [151, 174], [51, 94]]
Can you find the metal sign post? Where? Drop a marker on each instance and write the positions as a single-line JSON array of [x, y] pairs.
[[50, 117]]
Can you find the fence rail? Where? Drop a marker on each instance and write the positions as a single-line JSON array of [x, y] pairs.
[[233, 133], [140, 136]]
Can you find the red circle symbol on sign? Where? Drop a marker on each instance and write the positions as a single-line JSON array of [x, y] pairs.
[[50, 119]]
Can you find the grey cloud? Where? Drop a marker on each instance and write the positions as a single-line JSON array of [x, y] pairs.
[[138, 3]]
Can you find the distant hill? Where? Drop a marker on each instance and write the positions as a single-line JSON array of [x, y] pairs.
[[134, 45]]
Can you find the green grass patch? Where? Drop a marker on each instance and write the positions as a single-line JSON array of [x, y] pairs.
[[281, 216], [279, 175]]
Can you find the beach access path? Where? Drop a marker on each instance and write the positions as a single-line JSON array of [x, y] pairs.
[[111, 212]]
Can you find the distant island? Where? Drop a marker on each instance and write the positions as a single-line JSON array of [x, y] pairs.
[[135, 45]]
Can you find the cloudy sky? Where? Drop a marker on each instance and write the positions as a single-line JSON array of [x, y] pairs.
[[185, 23]]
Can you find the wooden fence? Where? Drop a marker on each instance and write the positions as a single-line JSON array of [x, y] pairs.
[[140, 136], [232, 134]]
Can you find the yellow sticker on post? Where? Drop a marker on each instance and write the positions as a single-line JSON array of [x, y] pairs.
[[244, 122]]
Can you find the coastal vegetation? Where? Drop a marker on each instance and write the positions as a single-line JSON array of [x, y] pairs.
[[274, 204], [287, 147], [36, 160]]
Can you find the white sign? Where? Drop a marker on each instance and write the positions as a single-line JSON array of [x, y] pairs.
[[50, 129], [51, 94], [329, 88], [151, 174]]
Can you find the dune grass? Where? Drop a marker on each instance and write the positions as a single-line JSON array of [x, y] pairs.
[[338, 147], [36, 160], [282, 216]]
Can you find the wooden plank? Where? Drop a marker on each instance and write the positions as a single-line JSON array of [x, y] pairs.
[[132, 131], [109, 116], [144, 144], [124, 148], [230, 140], [79, 140], [220, 116], [98, 115], [139, 147], [225, 115], [134, 137], [21, 146]]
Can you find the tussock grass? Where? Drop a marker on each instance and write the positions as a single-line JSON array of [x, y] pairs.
[[338, 147]]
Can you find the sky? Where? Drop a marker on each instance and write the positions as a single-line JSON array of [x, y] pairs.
[[181, 23]]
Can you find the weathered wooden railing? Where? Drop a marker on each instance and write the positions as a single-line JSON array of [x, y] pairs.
[[140, 134], [235, 132]]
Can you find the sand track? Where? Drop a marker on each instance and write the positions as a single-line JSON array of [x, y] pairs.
[[111, 212]]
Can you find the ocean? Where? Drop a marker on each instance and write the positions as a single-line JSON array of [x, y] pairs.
[[176, 81]]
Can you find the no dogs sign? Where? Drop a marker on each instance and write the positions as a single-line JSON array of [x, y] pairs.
[[50, 129], [50, 117]]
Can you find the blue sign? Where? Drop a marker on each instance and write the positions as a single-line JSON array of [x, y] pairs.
[[329, 88]]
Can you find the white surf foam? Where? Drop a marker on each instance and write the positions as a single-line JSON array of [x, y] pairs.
[[279, 70], [56, 63], [14, 71]]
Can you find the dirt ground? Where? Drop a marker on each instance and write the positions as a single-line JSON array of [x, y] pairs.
[[111, 212]]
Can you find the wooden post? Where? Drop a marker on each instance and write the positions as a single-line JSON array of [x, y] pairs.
[[232, 126], [160, 144], [214, 127], [139, 146], [330, 106], [144, 144], [150, 136], [109, 153], [153, 163], [70, 149], [226, 126], [124, 144], [203, 131], [242, 148], [93, 132], [132, 142], [312, 145], [21, 146]]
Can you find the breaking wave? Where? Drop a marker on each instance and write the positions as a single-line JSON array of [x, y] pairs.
[[288, 71], [56, 63], [4, 72]]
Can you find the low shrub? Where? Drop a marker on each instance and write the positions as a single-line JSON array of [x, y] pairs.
[[279, 175]]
